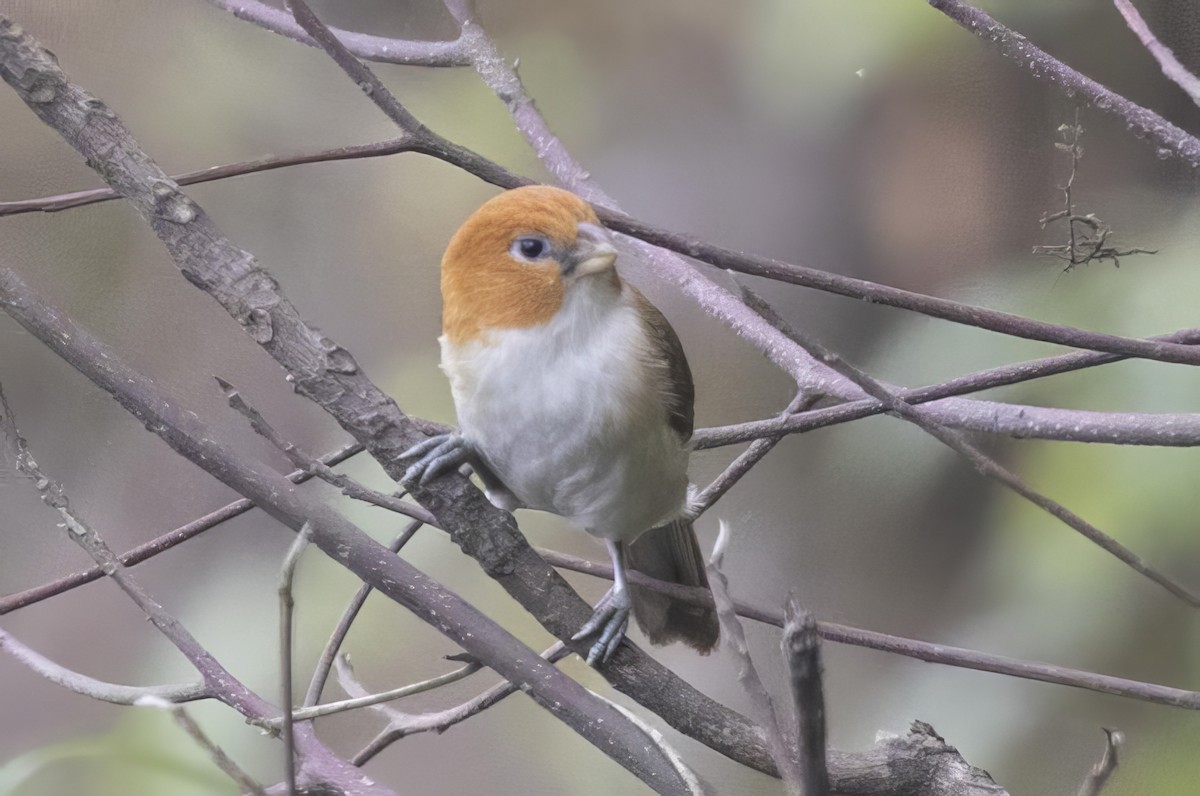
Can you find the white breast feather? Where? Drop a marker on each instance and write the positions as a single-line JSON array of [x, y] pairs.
[[570, 415]]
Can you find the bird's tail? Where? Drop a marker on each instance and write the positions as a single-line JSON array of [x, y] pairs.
[[671, 552]]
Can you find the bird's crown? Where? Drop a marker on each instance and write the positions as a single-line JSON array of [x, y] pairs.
[[511, 261]]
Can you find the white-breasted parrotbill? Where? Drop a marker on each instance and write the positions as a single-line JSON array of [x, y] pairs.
[[573, 397]]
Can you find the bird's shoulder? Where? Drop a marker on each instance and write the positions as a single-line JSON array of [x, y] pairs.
[[668, 364]]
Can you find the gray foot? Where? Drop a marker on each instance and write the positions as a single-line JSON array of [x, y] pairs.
[[435, 456], [610, 620]]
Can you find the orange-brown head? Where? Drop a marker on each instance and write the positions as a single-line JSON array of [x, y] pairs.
[[510, 264]]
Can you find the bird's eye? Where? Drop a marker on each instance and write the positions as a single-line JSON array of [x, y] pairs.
[[530, 248]]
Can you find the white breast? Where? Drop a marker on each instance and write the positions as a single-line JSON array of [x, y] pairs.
[[570, 417]]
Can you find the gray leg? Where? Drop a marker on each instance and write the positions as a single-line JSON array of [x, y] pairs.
[[611, 617]]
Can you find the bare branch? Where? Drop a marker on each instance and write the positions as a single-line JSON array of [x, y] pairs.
[[67, 201], [944, 771], [98, 689], [1169, 140], [342, 541], [320, 764], [402, 724], [911, 648], [373, 48], [321, 673], [245, 782], [749, 457], [1098, 777], [1025, 422], [957, 442], [371, 700], [656, 738], [802, 651], [371, 85], [762, 707], [1171, 67]]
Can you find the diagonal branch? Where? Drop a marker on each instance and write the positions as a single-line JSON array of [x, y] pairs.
[[223, 761], [1015, 420], [957, 441], [1169, 140], [342, 541], [325, 662], [911, 648], [401, 724], [319, 763]]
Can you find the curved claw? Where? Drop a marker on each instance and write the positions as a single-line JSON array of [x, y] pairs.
[[611, 620], [435, 456], [425, 446]]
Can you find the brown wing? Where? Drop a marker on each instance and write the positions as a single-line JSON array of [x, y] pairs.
[[679, 393]]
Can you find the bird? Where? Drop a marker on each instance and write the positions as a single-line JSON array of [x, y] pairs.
[[573, 397]]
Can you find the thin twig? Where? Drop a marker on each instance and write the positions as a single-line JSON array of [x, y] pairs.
[[245, 783], [911, 648], [341, 706], [957, 442], [746, 460], [373, 48], [1087, 235], [162, 543], [402, 724], [67, 201], [762, 707], [371, 85], [1098, 777], [656, 738], [1171, 67], [98, 689], [325, 662], [299, 458], [287, 604], [802, 651]]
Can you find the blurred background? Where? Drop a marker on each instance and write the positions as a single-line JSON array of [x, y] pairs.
[[872, 139]]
